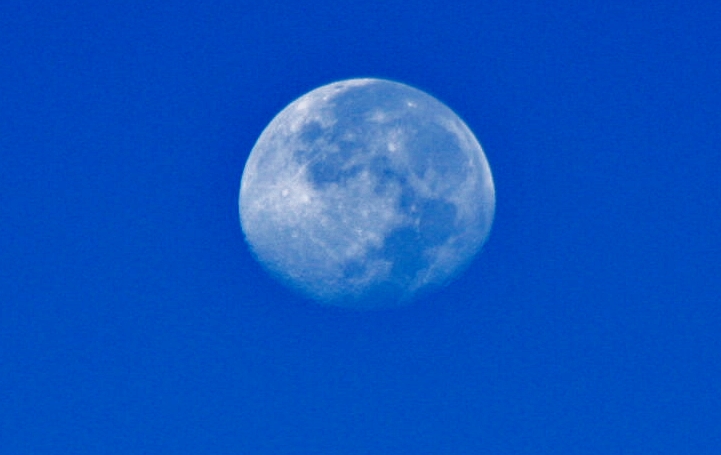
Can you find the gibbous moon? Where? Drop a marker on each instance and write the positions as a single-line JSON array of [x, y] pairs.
[[364, 193]]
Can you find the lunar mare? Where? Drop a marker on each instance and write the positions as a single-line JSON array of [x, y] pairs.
[[365, 192]]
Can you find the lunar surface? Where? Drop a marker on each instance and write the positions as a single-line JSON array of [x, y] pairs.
[[364, 193]]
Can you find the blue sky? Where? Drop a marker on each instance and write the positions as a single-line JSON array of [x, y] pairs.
[[133, 318]]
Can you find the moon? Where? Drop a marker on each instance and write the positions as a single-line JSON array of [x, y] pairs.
[[366, 193]]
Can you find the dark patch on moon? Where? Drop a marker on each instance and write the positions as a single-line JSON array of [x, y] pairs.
[[384, 175], [331, 169], [437, 221], [401, 247], [311, 132]]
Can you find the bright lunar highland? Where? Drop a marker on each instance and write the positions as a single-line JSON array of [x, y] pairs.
[[365, 192]]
